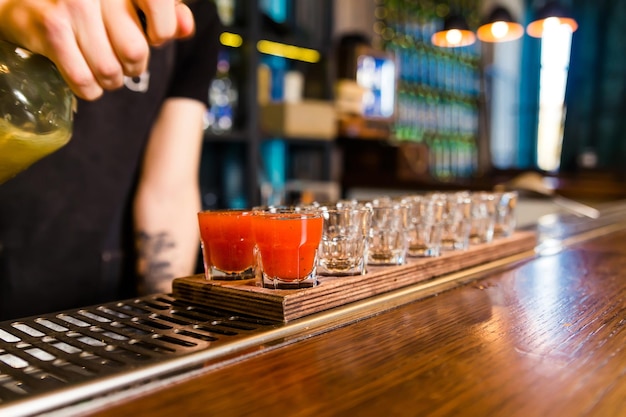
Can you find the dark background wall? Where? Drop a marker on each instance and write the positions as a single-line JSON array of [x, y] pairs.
[[595, 124]]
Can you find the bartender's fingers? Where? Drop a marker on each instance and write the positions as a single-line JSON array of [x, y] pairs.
[[126, 35], [59, 43], [162, 18], [47, 28], [93, 41], [74, 69], [186, 23]]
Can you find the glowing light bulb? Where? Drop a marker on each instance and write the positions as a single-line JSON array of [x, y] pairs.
[[551, 24], [454, 37], [499, 29]]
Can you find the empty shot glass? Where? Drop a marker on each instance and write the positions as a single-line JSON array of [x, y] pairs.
[[505, 222], [286, 245], [227, 244], [425, 216], [483, 215], [388, 239], [456, 224], [344, 245]]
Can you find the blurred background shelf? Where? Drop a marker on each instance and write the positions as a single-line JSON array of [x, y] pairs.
[[464, 118], [241, 165]]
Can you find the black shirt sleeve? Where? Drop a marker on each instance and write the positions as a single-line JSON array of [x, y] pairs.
[[196, 57]]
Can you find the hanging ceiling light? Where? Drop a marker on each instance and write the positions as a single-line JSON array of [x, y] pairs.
[[553, 13], [500, 27], [455, 33]]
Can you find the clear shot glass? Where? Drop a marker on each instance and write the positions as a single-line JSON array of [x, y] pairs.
[[425, 216], [505, 221], [388, 234], [344, 246], [483, 215], [456, 223]]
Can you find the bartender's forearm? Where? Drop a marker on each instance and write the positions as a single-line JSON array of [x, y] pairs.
[[167, 239], [168, 197]]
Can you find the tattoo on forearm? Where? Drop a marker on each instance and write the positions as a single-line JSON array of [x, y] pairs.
[[154, 254]]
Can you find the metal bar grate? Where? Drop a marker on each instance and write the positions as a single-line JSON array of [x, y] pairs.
[[52, 352]]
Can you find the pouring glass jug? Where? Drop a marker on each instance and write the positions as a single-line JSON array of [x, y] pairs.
[[36, 109]]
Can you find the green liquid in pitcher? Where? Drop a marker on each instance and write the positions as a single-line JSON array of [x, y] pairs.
[[36, 109], [19, 149]]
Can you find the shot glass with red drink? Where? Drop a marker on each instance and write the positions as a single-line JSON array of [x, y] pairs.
[[227, 244], [286, 242]]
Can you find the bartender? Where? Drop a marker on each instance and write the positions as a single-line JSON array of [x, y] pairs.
[[112, 214]]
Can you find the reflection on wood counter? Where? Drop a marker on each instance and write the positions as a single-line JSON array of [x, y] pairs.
[[543, 337]]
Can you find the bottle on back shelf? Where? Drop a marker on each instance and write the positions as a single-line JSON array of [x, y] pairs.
[[223, 97]]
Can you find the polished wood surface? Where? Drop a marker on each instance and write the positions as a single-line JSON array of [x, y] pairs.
[[545, 337]]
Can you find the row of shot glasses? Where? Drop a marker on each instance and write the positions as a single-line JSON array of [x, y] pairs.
[[290, 247]]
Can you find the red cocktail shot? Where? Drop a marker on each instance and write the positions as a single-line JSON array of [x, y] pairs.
[[227, 244], [287, 244]]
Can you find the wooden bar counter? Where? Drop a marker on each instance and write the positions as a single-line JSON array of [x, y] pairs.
[[543, 336]]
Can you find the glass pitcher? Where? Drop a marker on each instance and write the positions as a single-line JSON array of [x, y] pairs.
[[36, 109]]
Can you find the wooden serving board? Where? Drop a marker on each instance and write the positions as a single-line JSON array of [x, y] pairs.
[[285, 305]]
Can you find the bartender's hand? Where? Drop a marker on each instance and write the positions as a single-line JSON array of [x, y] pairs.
[[94, 43]]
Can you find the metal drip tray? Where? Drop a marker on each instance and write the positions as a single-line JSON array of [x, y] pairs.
[[53, 360]]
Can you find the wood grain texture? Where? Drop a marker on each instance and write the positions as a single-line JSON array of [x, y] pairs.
[[286, 305], [544, 338]]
